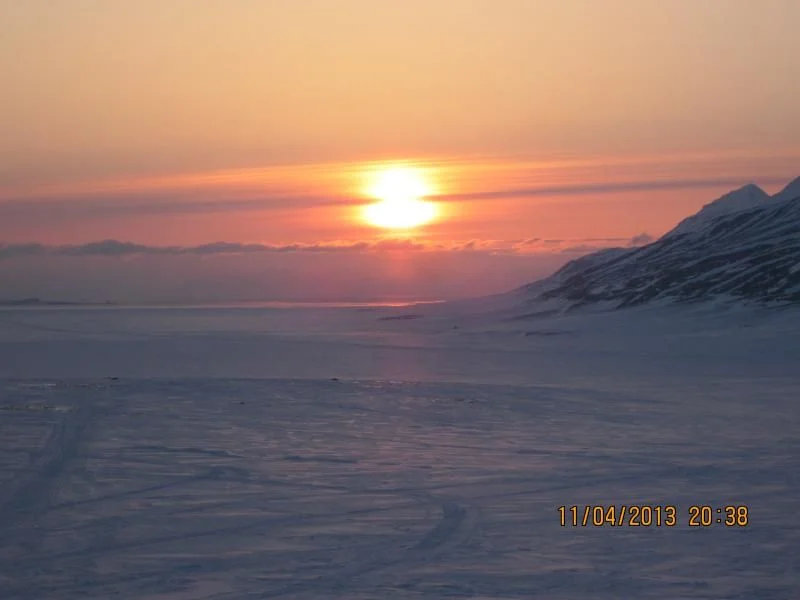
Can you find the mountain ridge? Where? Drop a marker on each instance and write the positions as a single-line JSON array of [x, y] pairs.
[[744, 198], [744, 246]]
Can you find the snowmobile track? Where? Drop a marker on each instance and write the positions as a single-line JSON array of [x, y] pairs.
[[33, 493]]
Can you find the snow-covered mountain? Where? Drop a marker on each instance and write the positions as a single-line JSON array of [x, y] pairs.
[[745, 198], [743, 246]]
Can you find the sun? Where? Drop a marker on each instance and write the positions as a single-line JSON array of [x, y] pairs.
[[400, 192]]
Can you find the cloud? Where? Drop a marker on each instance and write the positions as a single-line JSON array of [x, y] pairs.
[[578, 246], [605, 188], [641, 240], [108, 248], [158, 202], [21, 250], [80, 207], [116, 248]]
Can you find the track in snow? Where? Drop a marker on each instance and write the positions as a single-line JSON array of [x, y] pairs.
[[229, 489]]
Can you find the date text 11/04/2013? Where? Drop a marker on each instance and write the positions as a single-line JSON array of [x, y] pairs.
[[643, 515]]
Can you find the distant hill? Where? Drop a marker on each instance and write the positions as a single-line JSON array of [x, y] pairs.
[[743, 246]]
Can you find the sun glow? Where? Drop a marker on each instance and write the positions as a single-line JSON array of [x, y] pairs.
[[399, 191]]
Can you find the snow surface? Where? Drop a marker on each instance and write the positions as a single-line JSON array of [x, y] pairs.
[[298, 453]]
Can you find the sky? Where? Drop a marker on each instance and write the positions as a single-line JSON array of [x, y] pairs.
[[200, 150]]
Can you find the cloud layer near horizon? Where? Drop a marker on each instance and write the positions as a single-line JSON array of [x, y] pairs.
[[376, 270], [116, 248]]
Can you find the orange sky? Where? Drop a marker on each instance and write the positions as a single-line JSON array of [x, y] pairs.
[[188, 122], [478, 198]]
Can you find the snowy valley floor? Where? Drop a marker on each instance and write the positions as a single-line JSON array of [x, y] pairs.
[[221, 465]]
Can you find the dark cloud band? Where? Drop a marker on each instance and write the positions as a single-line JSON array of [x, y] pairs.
[[38, 210]]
